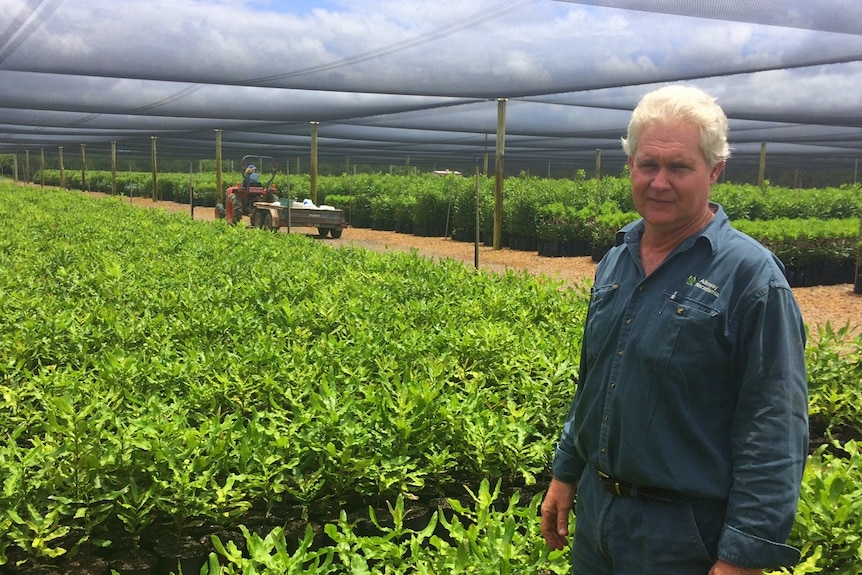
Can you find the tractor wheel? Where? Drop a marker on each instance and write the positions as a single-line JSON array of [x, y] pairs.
[[219, 211], [322, 232], [257, 217], [233, 211], [335, 233], [267, 222]]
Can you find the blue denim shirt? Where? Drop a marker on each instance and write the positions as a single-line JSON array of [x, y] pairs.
[[693, 379]]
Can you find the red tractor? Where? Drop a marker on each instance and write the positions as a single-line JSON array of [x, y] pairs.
[[240, 198]]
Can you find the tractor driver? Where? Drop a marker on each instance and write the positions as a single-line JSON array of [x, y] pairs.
[[252, 178]]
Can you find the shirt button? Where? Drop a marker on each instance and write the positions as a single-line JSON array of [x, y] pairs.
[[620, 353], [613, 385], [629, 321], [607, 418], [603, 450]]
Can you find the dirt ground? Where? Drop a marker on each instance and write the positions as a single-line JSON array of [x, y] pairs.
[[819, 304]]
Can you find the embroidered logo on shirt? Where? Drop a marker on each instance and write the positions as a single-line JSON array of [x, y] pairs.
[[691, 280], [706, 286]]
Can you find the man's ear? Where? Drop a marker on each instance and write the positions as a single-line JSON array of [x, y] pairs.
[[715, 172]]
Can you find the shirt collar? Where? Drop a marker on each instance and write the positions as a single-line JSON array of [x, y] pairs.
[[712, 233]]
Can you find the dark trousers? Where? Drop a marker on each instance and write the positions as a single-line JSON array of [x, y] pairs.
[[627, 536]]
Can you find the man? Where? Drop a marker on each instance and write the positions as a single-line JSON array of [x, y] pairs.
[[252, 177], [688, 433]]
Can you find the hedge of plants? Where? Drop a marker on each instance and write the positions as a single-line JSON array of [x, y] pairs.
[[183, 395], [814, 231], [814, 251]]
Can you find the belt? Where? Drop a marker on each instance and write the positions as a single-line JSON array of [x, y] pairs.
[[622, 488]]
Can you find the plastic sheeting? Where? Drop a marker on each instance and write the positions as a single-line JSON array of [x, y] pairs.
[[388, 81]]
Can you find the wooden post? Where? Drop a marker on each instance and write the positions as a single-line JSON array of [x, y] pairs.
[[313, 183], [192, 190], [219, 198], [761, 172], [857, 286], [62, 169], [598, 181], [287, 184], [153, 159], [42, 166], [15, 167], [27, 176], [478, 209], [84, 186], [114, 168], [487, 157], [498, 181]]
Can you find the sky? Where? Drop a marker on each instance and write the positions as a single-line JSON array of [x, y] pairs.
[[420, 79]]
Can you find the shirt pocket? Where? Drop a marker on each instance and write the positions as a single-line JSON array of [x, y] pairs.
[[683, 334], [600, 319]]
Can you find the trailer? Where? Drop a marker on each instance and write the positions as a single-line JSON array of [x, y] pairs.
[[275, 215]]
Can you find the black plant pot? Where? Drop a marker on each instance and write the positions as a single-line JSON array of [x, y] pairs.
[[551, 248], [135, 562]]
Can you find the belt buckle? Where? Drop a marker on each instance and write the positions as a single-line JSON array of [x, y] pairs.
[[608, 480]]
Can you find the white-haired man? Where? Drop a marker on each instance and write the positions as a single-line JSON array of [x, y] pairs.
[[688, 432]]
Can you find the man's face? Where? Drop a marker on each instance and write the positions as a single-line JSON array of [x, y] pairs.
[[670, 177]]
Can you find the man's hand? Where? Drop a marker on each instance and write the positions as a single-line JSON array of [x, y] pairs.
[[555, 514], [725, 568]]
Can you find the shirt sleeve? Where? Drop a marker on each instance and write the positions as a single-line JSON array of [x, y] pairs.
[[568, 467], [770, 432]]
